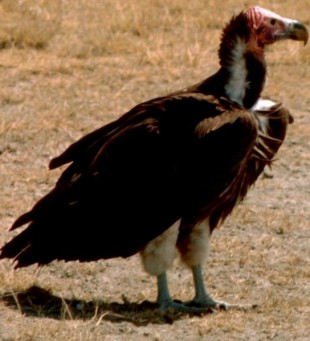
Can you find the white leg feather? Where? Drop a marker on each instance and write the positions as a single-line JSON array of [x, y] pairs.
[[195, 249], [158, 255]]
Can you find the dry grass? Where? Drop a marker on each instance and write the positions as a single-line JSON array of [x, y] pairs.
[[68, 67]]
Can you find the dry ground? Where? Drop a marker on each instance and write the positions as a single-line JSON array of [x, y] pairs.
[[68, 67]]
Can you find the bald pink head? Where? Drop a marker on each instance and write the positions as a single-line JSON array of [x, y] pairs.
[[258, 15], [268, 27]]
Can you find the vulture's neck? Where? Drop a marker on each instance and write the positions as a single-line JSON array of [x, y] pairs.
[[242, 74]]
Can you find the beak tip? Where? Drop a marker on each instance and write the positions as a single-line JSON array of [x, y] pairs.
[[300, 32], [306, 40]]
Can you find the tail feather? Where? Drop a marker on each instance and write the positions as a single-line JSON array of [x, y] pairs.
[[18, 249], [22, 220], [30, 247]]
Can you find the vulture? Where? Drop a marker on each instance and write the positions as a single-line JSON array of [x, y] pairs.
[[160, 178]]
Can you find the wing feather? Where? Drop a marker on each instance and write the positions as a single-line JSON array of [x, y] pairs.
[[131, 180]]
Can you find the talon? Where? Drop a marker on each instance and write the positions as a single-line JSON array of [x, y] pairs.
[[179, 307], [219, 305], [223, 306], [210, 304], [244, 307]]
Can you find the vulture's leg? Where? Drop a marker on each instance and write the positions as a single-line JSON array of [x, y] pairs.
[[157, 257], [202, 298], [166, 303], [194, 245], [194, 249]]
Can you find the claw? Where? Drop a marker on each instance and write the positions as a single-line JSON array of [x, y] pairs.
[[179, 307], [203, 300], [219, 305]]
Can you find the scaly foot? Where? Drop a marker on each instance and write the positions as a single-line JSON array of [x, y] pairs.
[[180, 307]]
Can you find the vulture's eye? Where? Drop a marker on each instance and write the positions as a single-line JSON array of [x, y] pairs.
[[273, 22]]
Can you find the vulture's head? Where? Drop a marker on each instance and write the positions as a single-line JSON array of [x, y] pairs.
[[268, 27], [253, 29], [242, 47]]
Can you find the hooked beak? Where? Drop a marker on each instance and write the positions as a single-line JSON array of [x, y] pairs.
[[296, 31]]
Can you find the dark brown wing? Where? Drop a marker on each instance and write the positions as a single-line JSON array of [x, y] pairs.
[[273, 119], [129, 185], [89, 144]]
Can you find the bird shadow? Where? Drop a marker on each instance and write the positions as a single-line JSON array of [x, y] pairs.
[[41, 303]]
